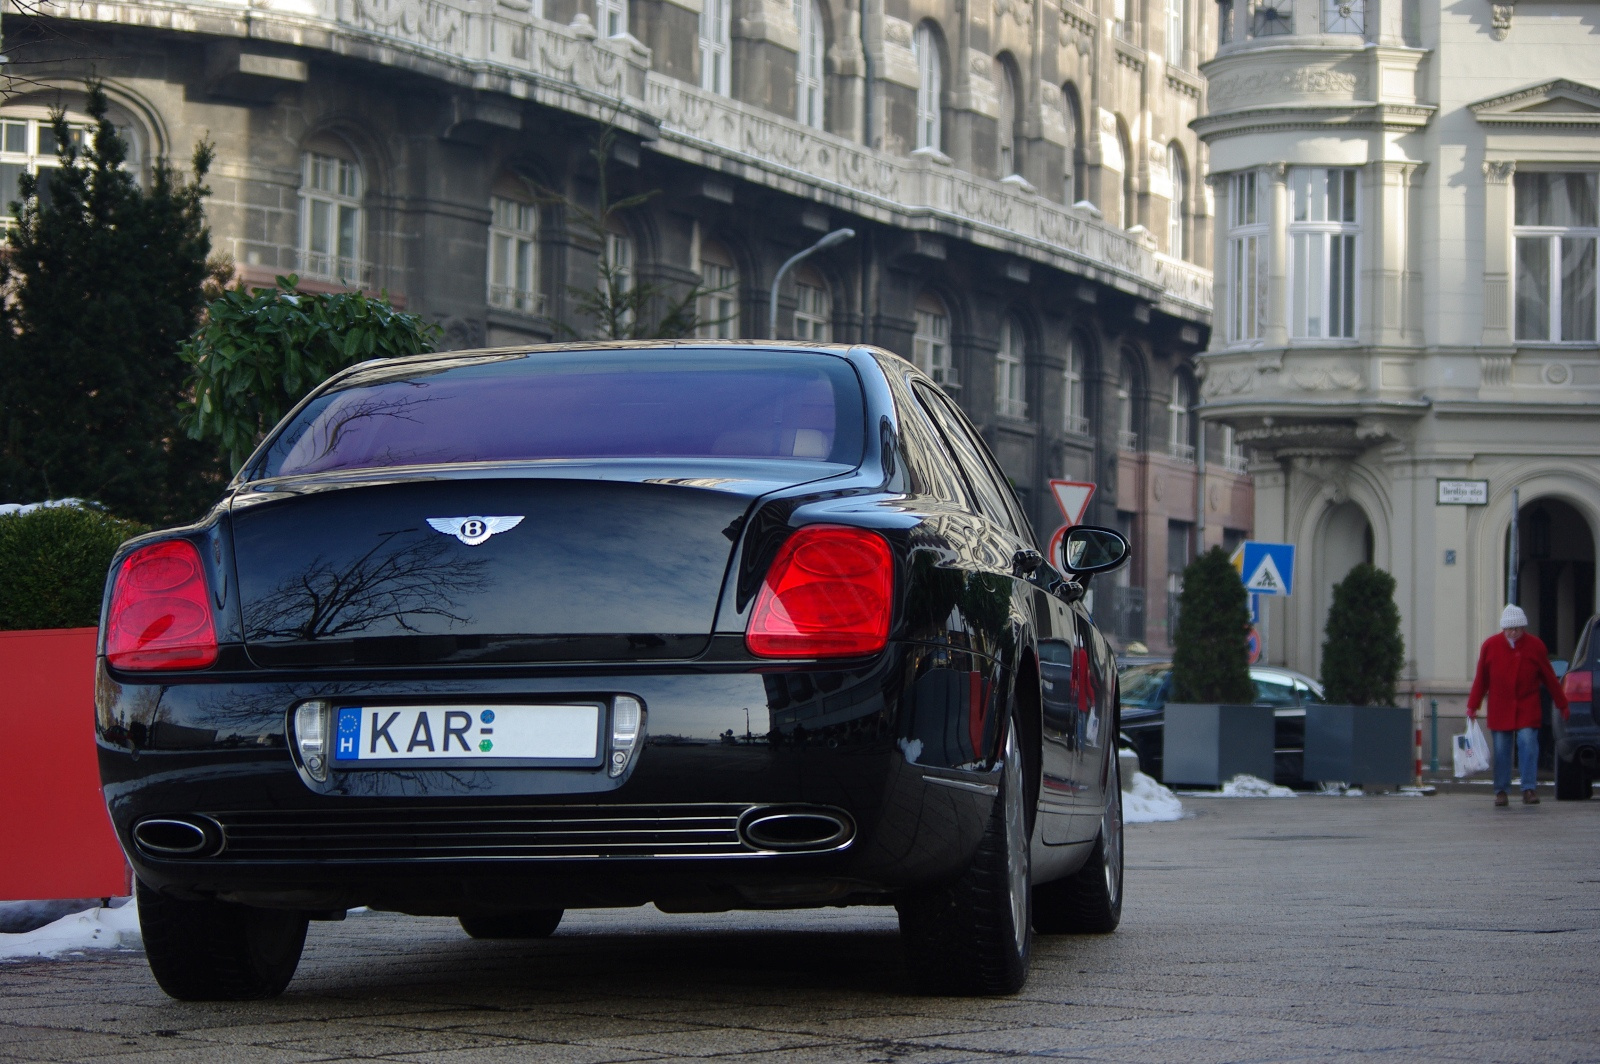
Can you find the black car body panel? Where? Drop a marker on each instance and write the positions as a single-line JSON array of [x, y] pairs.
[[627, 577], [1577, 737]]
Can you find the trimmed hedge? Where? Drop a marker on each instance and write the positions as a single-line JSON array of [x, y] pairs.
[[1210, 649], [55, 561], [1364, 652]]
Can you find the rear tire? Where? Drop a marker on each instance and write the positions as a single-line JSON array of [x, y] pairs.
[[217, 950], [529, 923], [1572, 783], [974, 937], [1088, 902]]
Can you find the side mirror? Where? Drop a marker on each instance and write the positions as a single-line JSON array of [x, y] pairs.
[[1087, 549]]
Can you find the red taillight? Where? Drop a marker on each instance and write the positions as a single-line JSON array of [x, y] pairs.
[[1578, 686], [827, 595], [160, 611]]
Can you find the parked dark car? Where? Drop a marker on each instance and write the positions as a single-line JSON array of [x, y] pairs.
[[495, 634], [1147, 688], [1577, 745]]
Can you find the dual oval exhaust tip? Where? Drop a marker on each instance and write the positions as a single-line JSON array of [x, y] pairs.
[[196, 836], [795, 830]]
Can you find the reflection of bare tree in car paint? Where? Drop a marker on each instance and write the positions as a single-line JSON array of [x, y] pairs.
[[324, 601]]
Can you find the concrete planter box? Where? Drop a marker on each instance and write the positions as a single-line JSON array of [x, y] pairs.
[[1209, 744], [1360, 744]]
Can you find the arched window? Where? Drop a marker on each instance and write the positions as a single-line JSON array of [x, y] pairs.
[[1006, 138], [1130, 199], [1178, 208], [930, 345], [1180, 417], [715, 44], [514, 249], [1010, 368], [719, 306], [813, 308], [28, 145], [1074, 187], [1075, 412], [611, 17], [929, 54], [1127, 397], [616, 281], [809, 99], [331, 221]]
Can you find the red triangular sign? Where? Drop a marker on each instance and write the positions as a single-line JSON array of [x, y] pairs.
[[1073, 497]]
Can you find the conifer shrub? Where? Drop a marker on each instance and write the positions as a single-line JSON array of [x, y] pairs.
[[55, 559], [1364, 651], [1210, 655]]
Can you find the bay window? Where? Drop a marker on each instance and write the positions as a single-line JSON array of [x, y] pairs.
[[1323, 227], [1556, 226]]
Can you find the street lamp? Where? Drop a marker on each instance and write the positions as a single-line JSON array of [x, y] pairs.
[[838, 236]]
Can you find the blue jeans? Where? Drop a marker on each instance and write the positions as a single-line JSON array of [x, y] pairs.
[[1527, 757]]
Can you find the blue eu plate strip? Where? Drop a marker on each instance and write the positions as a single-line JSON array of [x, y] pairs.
[[347, 738]]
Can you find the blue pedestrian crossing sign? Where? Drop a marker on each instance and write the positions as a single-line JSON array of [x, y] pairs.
[[1266, 568]]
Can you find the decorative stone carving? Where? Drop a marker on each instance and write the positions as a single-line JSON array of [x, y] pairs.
[[897, 31], [1500, 20], [1231, 90], [1495, 371], [1498, 173], [1234, 380], [1326, 378], [429, 21], [979, 64], [1020, 11], [1556, 373]]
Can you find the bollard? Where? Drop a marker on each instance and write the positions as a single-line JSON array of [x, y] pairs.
[[1433, 724]]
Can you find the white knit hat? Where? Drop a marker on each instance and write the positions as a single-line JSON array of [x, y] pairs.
[[1513, 617]]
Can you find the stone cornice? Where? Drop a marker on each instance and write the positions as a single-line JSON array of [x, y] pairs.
[[1389, 117], [1513, 108]]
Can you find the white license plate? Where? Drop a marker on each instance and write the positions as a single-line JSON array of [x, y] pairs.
[[567, 734]]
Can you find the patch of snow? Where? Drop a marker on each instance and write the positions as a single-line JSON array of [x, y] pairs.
[[19, 916], [1247, 786], [1340, 789], [29, 507], [92, 929], [1144, 801]]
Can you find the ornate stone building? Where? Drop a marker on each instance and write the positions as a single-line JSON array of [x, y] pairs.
[[1406, 196], [1021, 176]]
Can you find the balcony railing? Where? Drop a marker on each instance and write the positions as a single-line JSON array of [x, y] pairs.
[[337, 269], [1013, 408], [1076, 425], [510, 297], [570, 67], [1127, 440], [1183, 452], [1235, 462]]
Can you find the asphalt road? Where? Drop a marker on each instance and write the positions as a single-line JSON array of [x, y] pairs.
[[1414, 929]]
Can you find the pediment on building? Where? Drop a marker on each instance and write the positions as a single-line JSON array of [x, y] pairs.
[[1559, 102]]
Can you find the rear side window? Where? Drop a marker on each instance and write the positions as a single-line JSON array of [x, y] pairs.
[[966, 451], [1274, 691], [1141, 684], [581, 404]]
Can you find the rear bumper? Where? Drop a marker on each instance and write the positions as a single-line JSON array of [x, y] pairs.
[[720, 747]]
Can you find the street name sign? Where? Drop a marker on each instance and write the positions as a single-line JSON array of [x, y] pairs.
[[1463, 492]]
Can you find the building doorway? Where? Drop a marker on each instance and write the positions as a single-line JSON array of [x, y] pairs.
[[1344, 542], [1556, 575]]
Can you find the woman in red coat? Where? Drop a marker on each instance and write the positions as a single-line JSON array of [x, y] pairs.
[[1511, 666]]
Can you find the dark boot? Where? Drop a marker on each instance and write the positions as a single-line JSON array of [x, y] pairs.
[[1500, 798], [1530, 798]]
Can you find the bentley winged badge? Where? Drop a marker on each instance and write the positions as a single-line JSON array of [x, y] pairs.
[[473, 530]]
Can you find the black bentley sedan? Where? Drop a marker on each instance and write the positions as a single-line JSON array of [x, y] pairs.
[[495, 634]]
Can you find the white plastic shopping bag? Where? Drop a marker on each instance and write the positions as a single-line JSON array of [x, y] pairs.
[[1472, 750]]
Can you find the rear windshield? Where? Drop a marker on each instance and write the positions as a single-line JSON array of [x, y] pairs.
[[581, 404]]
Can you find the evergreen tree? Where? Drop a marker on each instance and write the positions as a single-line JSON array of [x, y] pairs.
[[1364, 651], [1210, 655], [102, 282]]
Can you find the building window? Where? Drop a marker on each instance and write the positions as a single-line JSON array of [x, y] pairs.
[[28, 145], [1180, 552], [1556, 228], [330, 219], [618, 264], [715, 45], [930, 345], [1075, 411], [1233, 458], [1122, 25], [1322, 253], [719, 306], [1344, 16], [1075, 188], [1007, 125], [1178, 207], [1247, 260], [513, 255], [813, 309], [930, 86], [1225, 31], [611, 17], [1127, 388], [808, 63], [1180, 419], [1177, 12], [1130, 196], [1272, 18], [1010, 365]]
